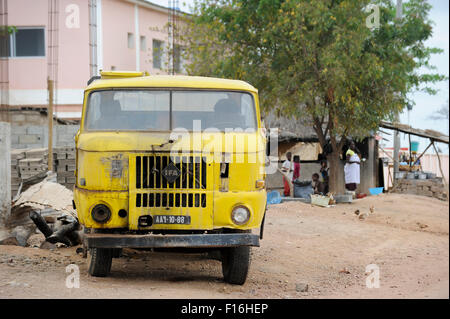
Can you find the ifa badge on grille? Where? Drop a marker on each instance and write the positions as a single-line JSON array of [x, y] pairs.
[[171, 173]]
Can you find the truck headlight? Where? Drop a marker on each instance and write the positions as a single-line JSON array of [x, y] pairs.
[[240, 215], [101, 213]]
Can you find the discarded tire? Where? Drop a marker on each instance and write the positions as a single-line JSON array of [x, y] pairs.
[[235, 264], [100, 260]]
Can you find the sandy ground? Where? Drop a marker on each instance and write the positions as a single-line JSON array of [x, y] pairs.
[[407, 238]]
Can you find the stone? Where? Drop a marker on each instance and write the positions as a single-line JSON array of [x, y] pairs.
[[22, 233], [36, 240], [47, 245], [9, 241], [301, 287]]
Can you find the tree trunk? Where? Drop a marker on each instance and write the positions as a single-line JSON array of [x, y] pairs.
[[334, 173]]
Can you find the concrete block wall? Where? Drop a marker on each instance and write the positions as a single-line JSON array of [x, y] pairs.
[[27, 117], [27, 163], [425, 187], [36, 136], [5, 171]]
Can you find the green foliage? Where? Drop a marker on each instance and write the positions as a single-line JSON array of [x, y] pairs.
[[317, 59], [4, 30]]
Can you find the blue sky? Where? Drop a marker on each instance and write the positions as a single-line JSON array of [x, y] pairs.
[[424, 104]]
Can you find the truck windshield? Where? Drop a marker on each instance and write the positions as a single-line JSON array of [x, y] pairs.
[[164, 110]]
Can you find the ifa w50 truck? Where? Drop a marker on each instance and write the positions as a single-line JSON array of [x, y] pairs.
[[170, 162]]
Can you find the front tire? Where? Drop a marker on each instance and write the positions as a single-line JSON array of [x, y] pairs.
[[100, 260], [235, 264]]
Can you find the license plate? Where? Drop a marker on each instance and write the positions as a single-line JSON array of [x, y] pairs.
[[172, 219]]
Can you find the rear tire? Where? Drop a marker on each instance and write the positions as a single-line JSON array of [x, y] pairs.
[[235, 264], [100, 260]]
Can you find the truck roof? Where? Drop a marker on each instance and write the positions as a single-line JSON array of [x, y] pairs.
[[170, 81]]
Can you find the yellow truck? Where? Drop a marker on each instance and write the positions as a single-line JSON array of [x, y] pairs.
[[170, 162]]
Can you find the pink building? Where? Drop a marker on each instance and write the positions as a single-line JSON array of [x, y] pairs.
[[71, 40]]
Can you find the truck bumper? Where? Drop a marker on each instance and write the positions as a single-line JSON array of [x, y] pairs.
[[171, 241]]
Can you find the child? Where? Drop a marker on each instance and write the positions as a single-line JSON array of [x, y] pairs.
[[287, 168], [324, 172], [318, 186]]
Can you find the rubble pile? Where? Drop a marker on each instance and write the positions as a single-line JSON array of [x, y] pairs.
[[44, 208]]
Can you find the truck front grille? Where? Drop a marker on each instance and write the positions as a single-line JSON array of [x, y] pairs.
[[171, 200], [193, 171]]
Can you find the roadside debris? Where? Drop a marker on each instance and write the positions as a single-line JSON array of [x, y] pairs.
[[46, 206], [422, 226], [344, 271]]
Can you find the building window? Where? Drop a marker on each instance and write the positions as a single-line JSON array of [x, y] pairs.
[[24, 42], [130, 40], [158, 54], [143, 43]]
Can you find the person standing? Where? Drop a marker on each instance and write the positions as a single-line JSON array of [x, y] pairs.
[[288, 173], [352, 168], [324, 172]]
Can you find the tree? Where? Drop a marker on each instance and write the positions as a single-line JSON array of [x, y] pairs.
[[317, 59], [5, 30]]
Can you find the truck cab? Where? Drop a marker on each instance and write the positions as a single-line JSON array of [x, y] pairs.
[[170, 162]]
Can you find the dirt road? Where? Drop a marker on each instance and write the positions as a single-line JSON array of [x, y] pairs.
[[407, 238]]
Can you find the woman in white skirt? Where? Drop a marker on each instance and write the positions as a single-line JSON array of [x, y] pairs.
[[352, 168]]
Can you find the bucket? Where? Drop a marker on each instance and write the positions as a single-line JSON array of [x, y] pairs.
[[414, 146], [411, 176], [430, 175], [400, 175], [421, 176]]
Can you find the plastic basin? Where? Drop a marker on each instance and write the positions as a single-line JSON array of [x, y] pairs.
[[273, 197], [376, 190]]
